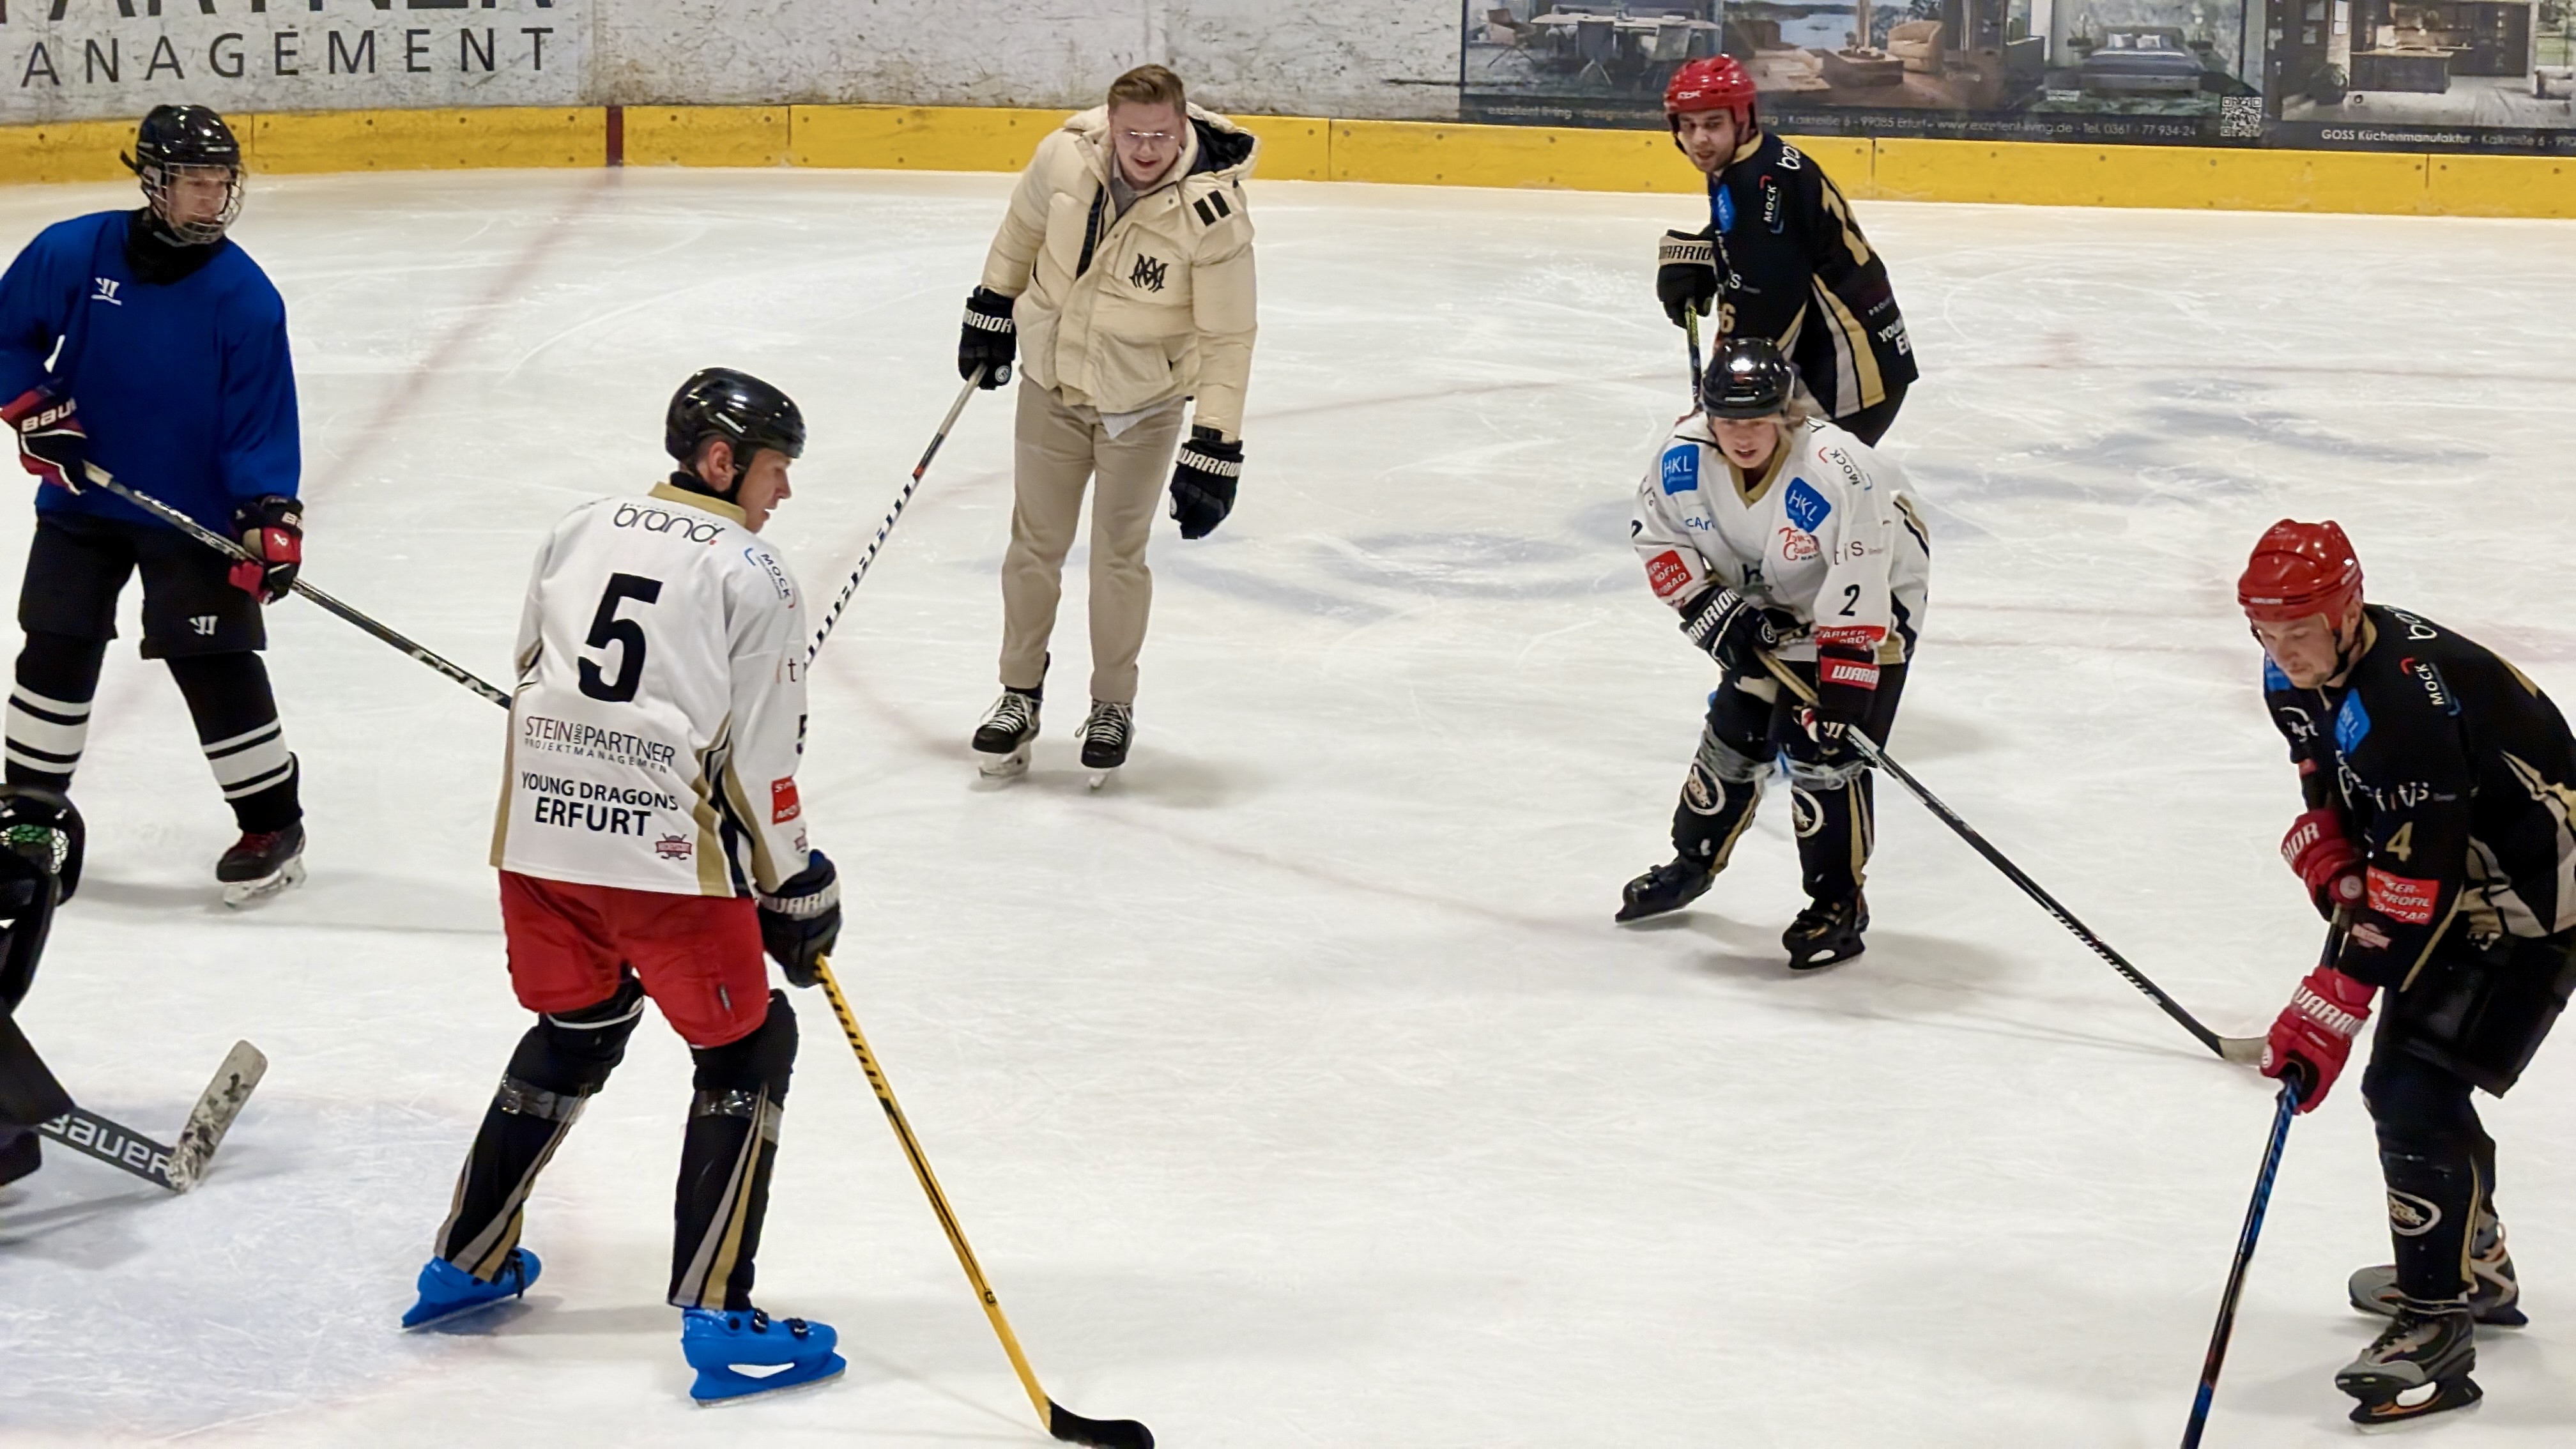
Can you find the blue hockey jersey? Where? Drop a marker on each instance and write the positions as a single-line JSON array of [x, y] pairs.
[[186, 390]]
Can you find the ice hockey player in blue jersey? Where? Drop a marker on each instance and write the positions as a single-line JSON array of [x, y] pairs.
[[149, 345]]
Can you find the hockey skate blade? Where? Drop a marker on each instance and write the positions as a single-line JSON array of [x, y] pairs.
[[733, 1386], [240, 893], [214, 1113], [2449, 1396], [1005, 767], [1100, 778]]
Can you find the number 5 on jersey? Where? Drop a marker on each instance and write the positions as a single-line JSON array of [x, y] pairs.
[[606, 629]]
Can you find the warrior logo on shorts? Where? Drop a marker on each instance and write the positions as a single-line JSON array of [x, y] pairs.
[[1149, 274], [2410, 1216]]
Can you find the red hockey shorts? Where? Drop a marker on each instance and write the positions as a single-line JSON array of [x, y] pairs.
[[699, 956]]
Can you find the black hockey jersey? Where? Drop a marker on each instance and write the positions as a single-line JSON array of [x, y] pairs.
[[1794, 268], [2457, 777]]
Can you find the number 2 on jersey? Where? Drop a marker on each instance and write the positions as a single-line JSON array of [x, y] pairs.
[[606, 629]]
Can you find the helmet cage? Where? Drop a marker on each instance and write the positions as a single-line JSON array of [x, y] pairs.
[[160, 180]]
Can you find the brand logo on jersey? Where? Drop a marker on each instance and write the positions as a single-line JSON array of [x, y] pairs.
[[1797, 546], [1681, 468], [2410, 1216], [2400, 899], [1667, 573], [2352, 723], [2431, 678], [1721, 208], [1149, 274], [663, 520], [1773, 214], [1805, 506], [2416, 629], [572, 737], [106, 291], [673, 847], [202, 623], [783, 805]]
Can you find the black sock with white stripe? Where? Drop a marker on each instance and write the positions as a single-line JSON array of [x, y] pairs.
[[237, 726], [48, 722]]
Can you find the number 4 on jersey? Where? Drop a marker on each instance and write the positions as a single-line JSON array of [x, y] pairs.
[[606, 629]]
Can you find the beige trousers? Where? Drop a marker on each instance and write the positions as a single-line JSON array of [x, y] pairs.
[[1059, 449]]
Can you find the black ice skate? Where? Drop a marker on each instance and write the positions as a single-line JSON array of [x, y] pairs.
[[2495, 1297], [1668, 887], [1105, 737], [2419, 1366], [1826, 933], [1008, 730], [261, 864]]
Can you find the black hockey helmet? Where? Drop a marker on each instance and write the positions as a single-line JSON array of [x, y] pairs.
[[42, 829], [171, 142], [1747, 379], [722, 403]]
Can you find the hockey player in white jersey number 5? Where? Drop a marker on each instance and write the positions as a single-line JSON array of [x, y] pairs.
[[1771, 530], [650, 801]]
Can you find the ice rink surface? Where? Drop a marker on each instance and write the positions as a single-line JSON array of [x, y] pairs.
[[1297, 1089]]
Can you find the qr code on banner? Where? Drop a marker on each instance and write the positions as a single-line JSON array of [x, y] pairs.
[[2240, 117]]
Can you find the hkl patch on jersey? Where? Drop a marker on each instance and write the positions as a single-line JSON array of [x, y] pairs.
[[1667, 573], [2352, 723], [1681, 468], [2401, 899], [2273, 678], [1721, 208], [1805, 506], [783, 805]]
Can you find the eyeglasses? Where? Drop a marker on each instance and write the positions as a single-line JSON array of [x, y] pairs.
[[1143, 138]]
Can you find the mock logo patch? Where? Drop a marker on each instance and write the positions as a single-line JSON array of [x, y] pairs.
[[2434, 689], [1805, 506], [2401, 899], [1681, 469], [783, 805], [1667, 573], [2352, 723]]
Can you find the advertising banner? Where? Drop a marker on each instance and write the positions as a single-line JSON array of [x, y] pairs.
[[95, 59], [2405, 75]]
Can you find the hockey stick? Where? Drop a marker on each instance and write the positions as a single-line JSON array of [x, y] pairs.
[[1070, 1427], [2286, 1108], [894, 513], [2234, 1049], [1690, 329], [179, 1167], [230, 549]]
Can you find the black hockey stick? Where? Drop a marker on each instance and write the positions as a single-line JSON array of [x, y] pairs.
[[176, 1167], [1690, 329], [896, 512], [228, 547], [2241, 1050], [2286, 1107], [1060, 1421]]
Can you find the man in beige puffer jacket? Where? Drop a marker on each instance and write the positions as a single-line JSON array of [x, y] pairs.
[[1126, 262]]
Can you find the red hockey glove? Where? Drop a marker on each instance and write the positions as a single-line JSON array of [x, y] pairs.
[[1846, 687], [2326, 859], [2313, 1034], [272, 528], [51, 444]]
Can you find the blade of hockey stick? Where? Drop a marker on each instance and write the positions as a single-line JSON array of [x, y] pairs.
[[1072, 1428], [231, 549], [2244, 1051], [212, 1117]]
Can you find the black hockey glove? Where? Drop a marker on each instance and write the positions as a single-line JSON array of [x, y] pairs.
[[802, 921], [1686, 274], [1732, 627], [991, 338], [272, 528], [1203, 479], [51, 444]]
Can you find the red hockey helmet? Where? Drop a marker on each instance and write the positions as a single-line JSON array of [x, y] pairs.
[[1712, 83], [2298, 571]]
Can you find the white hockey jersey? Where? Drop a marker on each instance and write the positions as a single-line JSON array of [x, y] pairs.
[[1827, 534], [660, 710]]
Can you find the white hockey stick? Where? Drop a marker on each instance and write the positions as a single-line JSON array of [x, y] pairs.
[[178, 1167]]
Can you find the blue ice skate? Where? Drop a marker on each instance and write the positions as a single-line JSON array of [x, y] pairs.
[[738, 1355], [447, 1291]]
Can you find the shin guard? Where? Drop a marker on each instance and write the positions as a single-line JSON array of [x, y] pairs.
[[725, 1163]]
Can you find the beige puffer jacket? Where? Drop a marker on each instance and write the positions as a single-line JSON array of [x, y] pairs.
[[1123, 314]]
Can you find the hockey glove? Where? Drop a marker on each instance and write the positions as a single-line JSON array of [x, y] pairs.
[[1732, 628], [51, 444], [1846, 687], [272, 528], [991, 338], [2326, 859], [1686, 274], [1203, 480], [801, 922], [2313, 1035]]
